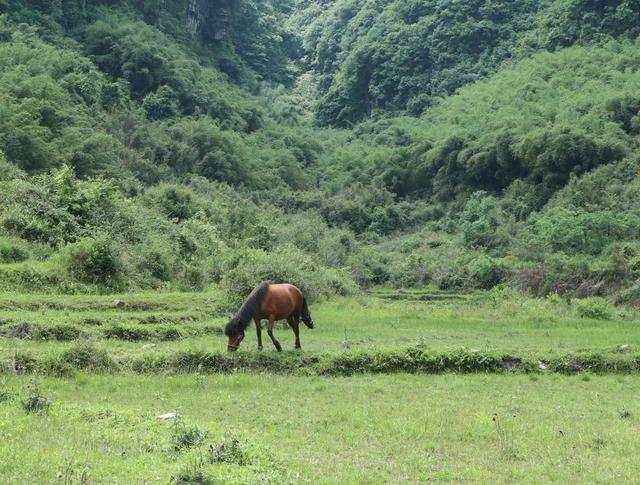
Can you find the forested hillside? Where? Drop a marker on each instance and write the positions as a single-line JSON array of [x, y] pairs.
[[373, 56], [335, 144]]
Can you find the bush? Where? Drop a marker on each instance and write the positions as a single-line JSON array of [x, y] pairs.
[[369, 266], [479, 221], [285, 265], [155, 261], [628, 296], [94, 261], [412, 273], [161, 104], [84, 355], [486, 272], [170, 333], [174, 201], [580, 231], [595, 308], [31, 277], [12, 253], [9, 171], [193, 474], [5, 395], [454, 279]]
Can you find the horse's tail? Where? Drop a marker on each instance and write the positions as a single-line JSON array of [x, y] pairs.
[[306, 315]]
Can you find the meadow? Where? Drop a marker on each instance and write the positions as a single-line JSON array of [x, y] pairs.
[[85, 378], [366, 429]]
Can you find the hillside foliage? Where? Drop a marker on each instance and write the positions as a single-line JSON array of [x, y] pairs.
[[336, 145]]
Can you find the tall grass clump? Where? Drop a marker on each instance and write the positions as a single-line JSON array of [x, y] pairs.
[[84, 355], [34, 402]]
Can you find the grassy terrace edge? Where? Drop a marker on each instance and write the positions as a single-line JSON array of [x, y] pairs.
[[85, 357]]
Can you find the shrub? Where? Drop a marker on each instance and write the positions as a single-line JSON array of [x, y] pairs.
[[31, 277], [20, 330], [628, 296], [479, 221], [5, 394], [12, 253], [155, 261], [596, 308], [160, 104], [454, 279], [577, 230], [9, 171], [486, 272], [169, 333], [412, 273], [84, 355], [174, 201], [202, 252], [94, 261], [285, 265], [369, 266]]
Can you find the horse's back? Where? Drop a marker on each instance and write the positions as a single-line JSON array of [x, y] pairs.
[[281, 301], [286, 288]]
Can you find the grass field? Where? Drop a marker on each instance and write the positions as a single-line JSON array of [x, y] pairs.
[[278, 425], [491, 321], [366, 429]]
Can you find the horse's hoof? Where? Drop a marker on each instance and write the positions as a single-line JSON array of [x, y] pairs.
[[259, 347], [279, 348]]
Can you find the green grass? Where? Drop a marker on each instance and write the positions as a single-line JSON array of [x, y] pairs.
[[491, 322], [366, 429], [418, 405]]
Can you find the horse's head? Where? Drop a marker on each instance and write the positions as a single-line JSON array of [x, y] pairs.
[[234, 331]]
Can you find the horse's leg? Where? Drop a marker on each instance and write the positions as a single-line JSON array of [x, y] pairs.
[[272, 320], [294, 322], [259, 332]]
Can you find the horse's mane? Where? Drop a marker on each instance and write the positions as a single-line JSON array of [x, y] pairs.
[[249, 308]]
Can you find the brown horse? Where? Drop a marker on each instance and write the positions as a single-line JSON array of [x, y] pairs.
[[272, 302]]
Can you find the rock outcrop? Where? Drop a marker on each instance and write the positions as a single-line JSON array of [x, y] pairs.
[[209, 18]]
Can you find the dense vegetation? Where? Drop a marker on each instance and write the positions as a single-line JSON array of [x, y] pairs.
[[373, 55], [177, 144]]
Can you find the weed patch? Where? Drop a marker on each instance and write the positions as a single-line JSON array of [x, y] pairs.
[[185, 437], [193, 474], [34, 402], [230, 451]]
